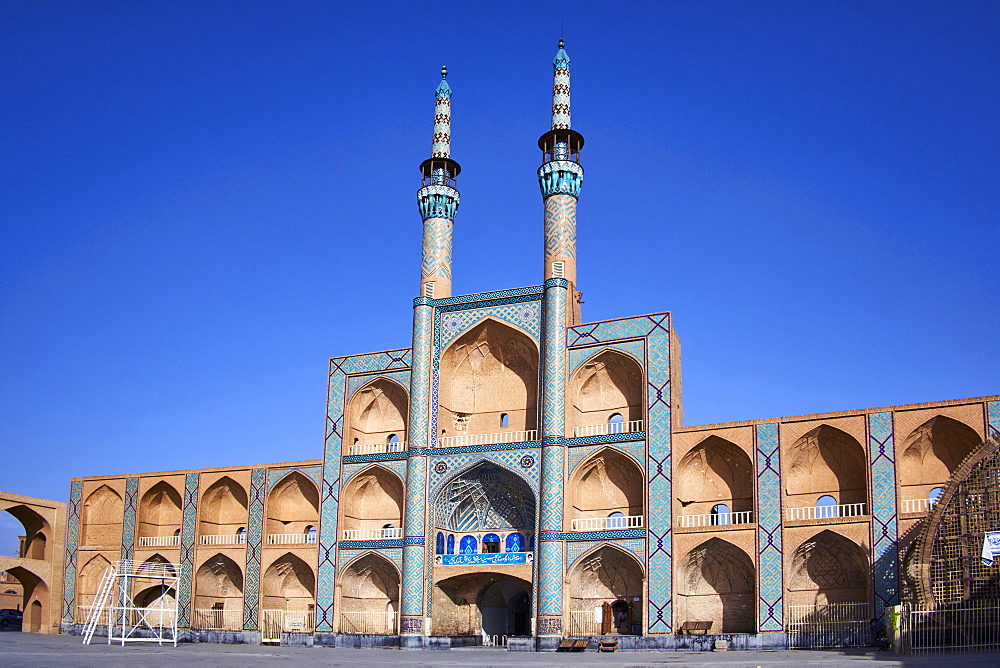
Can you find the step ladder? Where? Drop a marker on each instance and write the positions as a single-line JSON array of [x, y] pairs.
[[104, 590]]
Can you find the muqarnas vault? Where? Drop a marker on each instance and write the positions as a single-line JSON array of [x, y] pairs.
[[521, 476]]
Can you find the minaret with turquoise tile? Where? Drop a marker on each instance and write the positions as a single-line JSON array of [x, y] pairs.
[[560, 178], [437, 200]]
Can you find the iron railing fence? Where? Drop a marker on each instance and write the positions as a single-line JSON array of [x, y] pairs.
[[969, 626], [829, 625]]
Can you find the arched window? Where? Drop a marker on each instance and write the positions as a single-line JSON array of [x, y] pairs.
[[721, 515], [934, 495], [616, 520], [504, 420], [616, 424], [515, 543], [491, 543], [177, 532], [242, 533], [468, 545], [439, 544], [310, 534], [389, 531], [451, 544], [826, 507]]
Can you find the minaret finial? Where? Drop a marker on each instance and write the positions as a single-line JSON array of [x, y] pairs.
[[444, 71], [560, 90]]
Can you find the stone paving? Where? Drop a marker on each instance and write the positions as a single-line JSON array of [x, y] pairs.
[[30, 649]]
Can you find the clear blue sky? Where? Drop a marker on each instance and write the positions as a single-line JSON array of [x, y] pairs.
[[201, 203]]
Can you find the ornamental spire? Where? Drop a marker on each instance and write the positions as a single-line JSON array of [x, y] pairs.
[[441, 147], [560, 90]]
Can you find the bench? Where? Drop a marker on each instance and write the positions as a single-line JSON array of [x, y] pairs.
[[571, 645], [687, 628]]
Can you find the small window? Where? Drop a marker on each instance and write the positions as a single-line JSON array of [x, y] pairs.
[[217, 605], [616, 424], [491, 544], [935, 495], [504, 420], [558, 269], [392, 439], [310, 534], [428, 289], [616, 520], [241, 531], [721, 515], [177, 532], [826, 507]]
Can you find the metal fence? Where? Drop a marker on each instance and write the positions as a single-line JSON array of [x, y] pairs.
[[368, 623], [970, 626], [830, 625]]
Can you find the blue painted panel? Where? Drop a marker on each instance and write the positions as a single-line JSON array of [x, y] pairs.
[[468, 545], [485, 559]]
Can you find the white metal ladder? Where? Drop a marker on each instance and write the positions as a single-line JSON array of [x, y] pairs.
[[104, 590]]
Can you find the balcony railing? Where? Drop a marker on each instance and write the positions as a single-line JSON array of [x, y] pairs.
[[610, 428], [488, 439], [918, 505], [224, 539], [291, 539], [376, 448], [368, 623], [602, 523], [159, 541], [225, 620], [372, 534], [715, 519], [825, 512]]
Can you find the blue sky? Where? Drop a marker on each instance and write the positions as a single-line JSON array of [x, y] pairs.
[[202, 203]]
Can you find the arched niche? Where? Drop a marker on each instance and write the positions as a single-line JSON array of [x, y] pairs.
[[219, 584], [158, 599], [825, 461], [932, 452], [488, 372], [608, 384], [607, 482], [718, 584], [102, 517], [36, 532], [289, 584], [87, 582], [372, 499], [828, 568], [485, 497], [715, 471], [160, 511], [375, 413], [223, 508], [606, 582], [369, 596], [292, 505]]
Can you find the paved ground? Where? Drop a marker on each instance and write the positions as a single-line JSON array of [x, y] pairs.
[[30, 649]]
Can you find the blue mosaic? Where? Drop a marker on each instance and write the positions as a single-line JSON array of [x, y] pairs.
[[189, 529], [993, 419], [525, 316], [481, 298], [314, 473], [370, 544], [770, 604], [378, 457], [355, 383], [635, 449], [255, 531], [576, 550], [882, 454], [72, 540], [393, 554], [351, 469], [636, 349], [128, 521], [610, 534]]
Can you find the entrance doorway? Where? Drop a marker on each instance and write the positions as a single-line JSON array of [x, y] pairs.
[[506, 609]]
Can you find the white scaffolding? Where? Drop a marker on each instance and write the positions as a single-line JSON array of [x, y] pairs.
[[127, 622]]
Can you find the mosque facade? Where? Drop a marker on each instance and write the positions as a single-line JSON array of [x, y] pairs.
[[521, 474]]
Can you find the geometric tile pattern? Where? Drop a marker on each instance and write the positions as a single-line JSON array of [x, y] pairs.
[[128, 535], [577, 356], [992, 419], [314, 473], [770, 600], [377, 457], [481, 299], [188, 529], [574, 551], [436, 253], [882, 459], [636, 449], [605, 438], [255, 530], [458, 464], [397, 466], [525, 316], [72, 540], [618, 329], [393, 554], [341, 368], [560, 225], [374, 545], [609, 534]]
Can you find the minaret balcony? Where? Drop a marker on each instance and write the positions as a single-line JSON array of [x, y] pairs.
[[607, 523], [488, 439], [630, 427]]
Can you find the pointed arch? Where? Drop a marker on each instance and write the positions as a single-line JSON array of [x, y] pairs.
[[601, 579], [715, 471], [484, 495], [489, 371], [825, 461], [718, 583], [219, 584], [369, 584], [103, 513], [292, 505], [223, 508], [829, 568], [607, 481], [608, 384], [375, 412], [36, 531], [289, 584], [371, 499], [87, 582], [160, 510], [932, 452]]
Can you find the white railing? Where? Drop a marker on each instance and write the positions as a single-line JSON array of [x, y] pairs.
[[716, 519], [609, 428], [159, 541], [376, 448], [488, 439], [372, 534], [601, 523], [368, 623], [291, 539], [825, 512], [225, 620], [918, 505], [959, 627], [224, 539], [581, 623]]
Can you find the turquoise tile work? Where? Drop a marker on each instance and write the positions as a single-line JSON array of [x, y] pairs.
[[73, 509], [189, 528], [255, 532], [770, 603], [882, 461]]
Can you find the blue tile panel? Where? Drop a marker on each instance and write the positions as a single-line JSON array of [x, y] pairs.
[[882, 460], [610, 534], [992, 419], [355, 383], [370, 544], [72, 540], [549, 566], [635, 449], [255, 531], [189, 526], [341, 368], [378, 457], [393, 554], [130, 509], [452, 323], [770, 588], [314, 473], [576, 550], [577, 356], [486, 298]]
